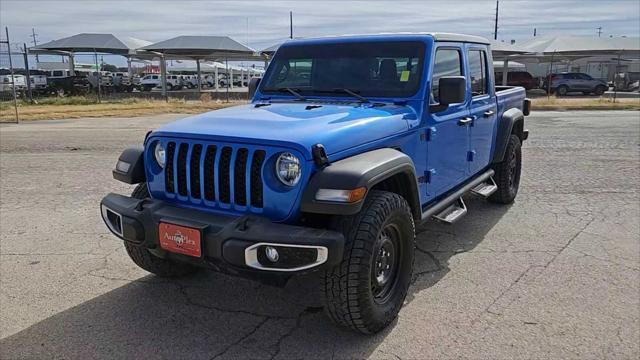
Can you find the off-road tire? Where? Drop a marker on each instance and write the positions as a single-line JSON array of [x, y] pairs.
[[347, 288], [149, 262], [507, 173]]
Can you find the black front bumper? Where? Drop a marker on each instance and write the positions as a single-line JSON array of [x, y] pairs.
[[224, 239]]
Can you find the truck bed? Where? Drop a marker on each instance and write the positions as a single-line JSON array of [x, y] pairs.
[[508, 97]]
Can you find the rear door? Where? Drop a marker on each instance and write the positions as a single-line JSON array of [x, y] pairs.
[[447, 139], [482, 108]]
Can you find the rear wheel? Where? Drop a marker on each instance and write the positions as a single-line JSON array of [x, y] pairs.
[[507, 173], [367, 289], [149, 262], [562, 90]]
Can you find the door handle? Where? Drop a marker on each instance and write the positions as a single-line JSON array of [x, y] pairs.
[[465, 121], [488, 113]]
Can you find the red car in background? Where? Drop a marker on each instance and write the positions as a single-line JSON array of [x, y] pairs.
[[518, 78]]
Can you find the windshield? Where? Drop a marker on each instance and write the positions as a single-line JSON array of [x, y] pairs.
[[375, 69]]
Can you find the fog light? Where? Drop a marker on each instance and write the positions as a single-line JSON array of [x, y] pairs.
[[271, 253]]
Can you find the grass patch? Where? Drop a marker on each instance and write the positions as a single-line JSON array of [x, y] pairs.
[[554, 103], [79, 107]]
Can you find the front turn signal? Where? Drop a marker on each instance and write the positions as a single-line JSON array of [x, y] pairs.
[[346, 196]]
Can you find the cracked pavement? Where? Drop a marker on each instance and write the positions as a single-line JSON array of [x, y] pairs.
[[555, 275]]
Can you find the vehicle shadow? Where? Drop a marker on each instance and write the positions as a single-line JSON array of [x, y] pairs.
[[216, 316]]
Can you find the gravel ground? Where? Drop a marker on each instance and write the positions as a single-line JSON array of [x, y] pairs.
[[555, 275]]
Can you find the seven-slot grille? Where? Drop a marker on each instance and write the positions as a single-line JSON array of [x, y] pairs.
[[215, 173]]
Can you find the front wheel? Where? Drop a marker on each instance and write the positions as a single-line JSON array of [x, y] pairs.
[[367, 289], [149, 262]]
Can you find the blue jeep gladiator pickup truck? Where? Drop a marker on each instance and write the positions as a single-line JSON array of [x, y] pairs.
[[347, 144]]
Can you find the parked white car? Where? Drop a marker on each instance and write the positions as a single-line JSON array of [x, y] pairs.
[[148, 82], [122, 82], [190, 81], [6, 84], [38, 81]]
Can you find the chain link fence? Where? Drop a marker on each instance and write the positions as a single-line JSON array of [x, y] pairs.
[[11, 85]]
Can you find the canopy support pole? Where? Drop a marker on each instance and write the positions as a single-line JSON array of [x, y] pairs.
[[505, 70], [163, 75], [226, 61], [216, 78], [549, 76], [98, 74], [72, 65], [615, 77], [199, 81]]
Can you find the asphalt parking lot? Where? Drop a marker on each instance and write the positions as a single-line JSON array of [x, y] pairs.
[[555, 275]]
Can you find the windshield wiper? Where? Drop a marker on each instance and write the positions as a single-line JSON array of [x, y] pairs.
[[347, 91], [293, 92]]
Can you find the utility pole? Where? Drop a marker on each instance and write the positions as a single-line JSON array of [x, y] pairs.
[[290, 24], [534, 32], [35, 42], [495, 29], [599, 28]]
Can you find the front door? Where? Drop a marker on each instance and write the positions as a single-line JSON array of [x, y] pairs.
[[447, 136], [483, 109]]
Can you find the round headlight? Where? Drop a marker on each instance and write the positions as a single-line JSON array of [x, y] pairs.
[[288, 169], [160, 154]]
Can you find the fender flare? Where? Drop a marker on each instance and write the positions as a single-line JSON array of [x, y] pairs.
[[134, 172], [512, 119], [363, 170]]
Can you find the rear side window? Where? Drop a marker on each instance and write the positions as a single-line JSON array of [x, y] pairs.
[[57, 73], [478, 72], [447, 63]]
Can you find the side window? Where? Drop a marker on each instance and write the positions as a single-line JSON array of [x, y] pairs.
[[447, 63], [155, 77], [297, 72], [478, 72], [57, 73]]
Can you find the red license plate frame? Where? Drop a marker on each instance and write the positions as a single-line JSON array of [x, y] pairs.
[[180, 239]]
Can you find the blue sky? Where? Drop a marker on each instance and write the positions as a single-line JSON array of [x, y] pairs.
[[263, 23]]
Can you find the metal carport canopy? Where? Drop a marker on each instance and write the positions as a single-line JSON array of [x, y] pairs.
[[94, 43], [204, 47], [583, 45], [102, 43]]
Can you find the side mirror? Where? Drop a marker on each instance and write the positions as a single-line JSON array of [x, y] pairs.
[[253, 86], [452, 90]]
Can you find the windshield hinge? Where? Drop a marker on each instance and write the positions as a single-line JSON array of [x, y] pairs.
[[429, 134]]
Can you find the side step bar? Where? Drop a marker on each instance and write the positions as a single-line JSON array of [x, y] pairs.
[[441, 205], [486, 188], [453, 212]]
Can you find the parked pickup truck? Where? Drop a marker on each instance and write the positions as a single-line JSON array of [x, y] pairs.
[[349, 142]]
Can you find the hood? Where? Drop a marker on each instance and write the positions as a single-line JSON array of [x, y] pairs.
[[299, 125]]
